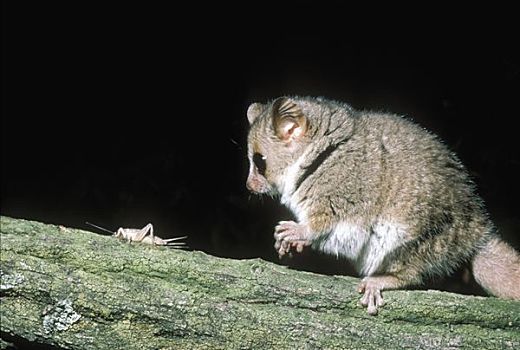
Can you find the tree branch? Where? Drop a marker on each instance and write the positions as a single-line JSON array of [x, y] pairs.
[[75, 289]]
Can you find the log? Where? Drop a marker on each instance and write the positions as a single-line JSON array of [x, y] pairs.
[[74, 289]]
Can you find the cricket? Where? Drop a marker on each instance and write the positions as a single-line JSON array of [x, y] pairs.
[[144, 235]]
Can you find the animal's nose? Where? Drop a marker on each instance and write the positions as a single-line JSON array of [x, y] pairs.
[[249, 185]]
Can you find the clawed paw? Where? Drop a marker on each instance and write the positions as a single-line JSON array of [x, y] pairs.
[[289, 236], [372, 298]]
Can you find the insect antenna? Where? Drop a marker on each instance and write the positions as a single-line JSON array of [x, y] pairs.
[[99, 227]]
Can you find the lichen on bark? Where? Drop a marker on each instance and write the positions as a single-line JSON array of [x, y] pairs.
[[75, 289]]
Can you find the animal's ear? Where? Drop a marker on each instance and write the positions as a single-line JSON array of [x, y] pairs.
[[289, 122], [254, 110]]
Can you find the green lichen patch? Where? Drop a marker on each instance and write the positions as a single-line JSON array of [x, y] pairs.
[[77, 289]]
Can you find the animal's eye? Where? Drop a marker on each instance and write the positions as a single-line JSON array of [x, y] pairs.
[[259, 161]]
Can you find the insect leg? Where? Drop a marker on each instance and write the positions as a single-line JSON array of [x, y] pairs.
[[141, 234]]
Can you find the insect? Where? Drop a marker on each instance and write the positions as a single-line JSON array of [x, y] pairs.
[[144, 235]]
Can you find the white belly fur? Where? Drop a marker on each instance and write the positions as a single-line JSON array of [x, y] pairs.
[[286, 188], [364, 246]]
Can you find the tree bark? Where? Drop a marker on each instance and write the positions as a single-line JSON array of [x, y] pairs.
[[75, 289]]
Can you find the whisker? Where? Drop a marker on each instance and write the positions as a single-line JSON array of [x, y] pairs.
[[236, 144]]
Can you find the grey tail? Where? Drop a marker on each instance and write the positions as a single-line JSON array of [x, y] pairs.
[[496, 267]]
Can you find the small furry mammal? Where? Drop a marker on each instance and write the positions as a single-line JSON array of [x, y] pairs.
[[378, 190]]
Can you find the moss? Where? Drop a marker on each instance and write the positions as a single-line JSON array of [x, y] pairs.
[[143, 297]]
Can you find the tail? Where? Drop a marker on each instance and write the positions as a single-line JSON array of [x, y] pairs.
[[496, 267]]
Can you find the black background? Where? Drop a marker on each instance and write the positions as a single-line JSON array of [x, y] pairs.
[[127, 114]]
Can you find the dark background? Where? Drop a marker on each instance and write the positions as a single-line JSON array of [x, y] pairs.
[[127, 114]]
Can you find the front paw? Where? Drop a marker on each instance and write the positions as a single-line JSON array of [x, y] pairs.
[[289, 236]]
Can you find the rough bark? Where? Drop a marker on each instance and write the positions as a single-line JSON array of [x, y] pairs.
[[76, 289]]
